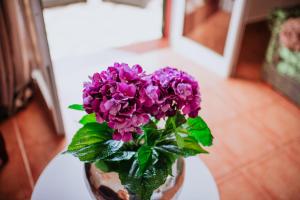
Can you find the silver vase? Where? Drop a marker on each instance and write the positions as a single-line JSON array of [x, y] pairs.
[[107, 185]]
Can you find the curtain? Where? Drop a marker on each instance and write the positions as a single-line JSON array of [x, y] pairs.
[[18, 54]]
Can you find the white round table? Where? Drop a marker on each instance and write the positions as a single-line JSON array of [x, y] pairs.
[[63, 179]]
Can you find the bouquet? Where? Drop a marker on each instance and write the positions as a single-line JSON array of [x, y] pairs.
[[139, 124]]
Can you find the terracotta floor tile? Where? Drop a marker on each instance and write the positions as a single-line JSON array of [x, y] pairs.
[[245, 141], [214, 109], [250, 94], [237, 187], [224, 94], [14, 181], [40, 139], [289, 105], [277, 174], [282, 121], [293, 150]]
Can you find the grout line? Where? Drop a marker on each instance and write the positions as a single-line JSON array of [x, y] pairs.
[[261, 188], [232, 173], [239, 168], [248, 163], [288, 154], [23, 153], [257, 186]]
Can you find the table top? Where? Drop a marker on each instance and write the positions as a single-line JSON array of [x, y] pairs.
[[63, 179]]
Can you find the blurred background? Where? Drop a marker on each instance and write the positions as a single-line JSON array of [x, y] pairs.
[[245, 55]]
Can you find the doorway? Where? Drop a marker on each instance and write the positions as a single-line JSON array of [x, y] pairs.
[[95, 25]]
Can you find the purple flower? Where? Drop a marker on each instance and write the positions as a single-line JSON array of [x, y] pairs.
[[113, 96], [169, 90], [125, 97]]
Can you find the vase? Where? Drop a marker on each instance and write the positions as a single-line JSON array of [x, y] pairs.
[[107, 185]]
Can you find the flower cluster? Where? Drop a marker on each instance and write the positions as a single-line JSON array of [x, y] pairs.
[[113, 95], [290, 34], [169, 90], [125, 97]]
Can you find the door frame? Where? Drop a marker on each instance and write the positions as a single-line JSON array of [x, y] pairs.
[[44, 74], [222, 65]]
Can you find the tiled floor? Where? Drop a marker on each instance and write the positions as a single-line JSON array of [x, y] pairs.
[[31, 143], [257, 137], [255, 153]]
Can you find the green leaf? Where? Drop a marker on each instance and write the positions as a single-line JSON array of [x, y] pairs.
[[150, 125], [175, 121], [89, 118], [191, 147], [93, 142], [88, 153], [114, 166], [97, 151], [133, 170], [144, 185], [151, 133], [100, 164], [121, 155], [173, 144], [179, 140], [89, 134], [198, 129], [188, 145], [289, 56], [169, 149], [144, 158], [76, 107], [168, 158], [109, 148]]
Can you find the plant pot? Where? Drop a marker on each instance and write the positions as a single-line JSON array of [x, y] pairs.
[[107, 185]]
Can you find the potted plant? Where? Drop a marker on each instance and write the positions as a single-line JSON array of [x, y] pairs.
[[137, 129], [282, 65]]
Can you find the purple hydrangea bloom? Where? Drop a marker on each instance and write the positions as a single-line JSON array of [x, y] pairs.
[[125, 97], [168, 90], [113, 95]]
